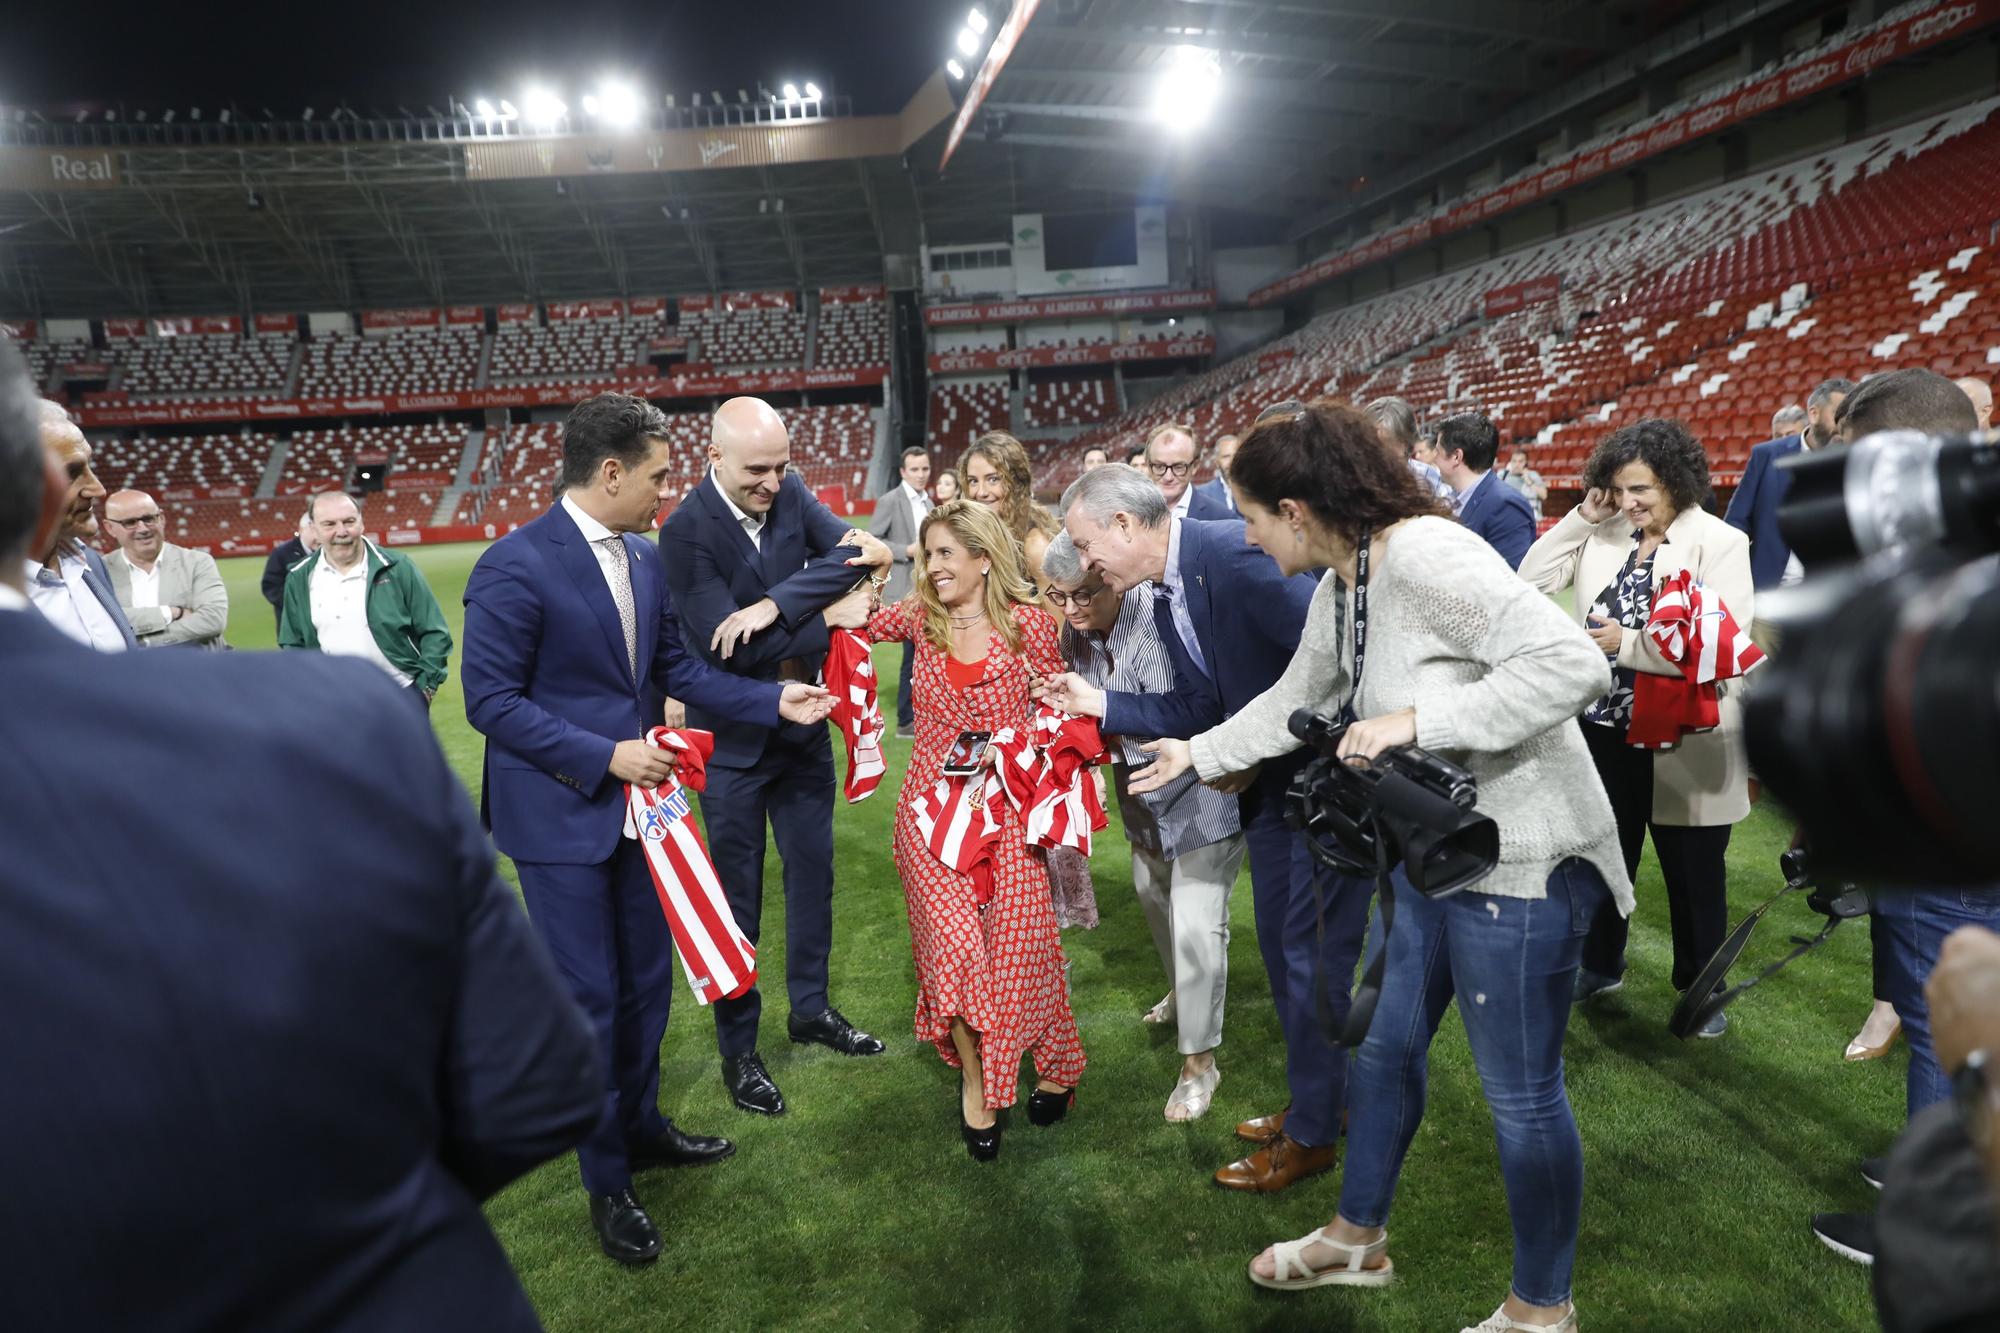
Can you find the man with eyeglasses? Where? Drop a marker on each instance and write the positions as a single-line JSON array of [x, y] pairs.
[[170, 594], [1171, 456]]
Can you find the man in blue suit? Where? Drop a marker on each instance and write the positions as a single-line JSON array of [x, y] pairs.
[[67, 581], [570, 648], [1171, 458], [1231, 623], [759, 570], [1217, 488], [277, 1027], [1467, 445], [1753, 509]]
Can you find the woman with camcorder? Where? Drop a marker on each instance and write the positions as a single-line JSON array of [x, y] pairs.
[[1421, 635]]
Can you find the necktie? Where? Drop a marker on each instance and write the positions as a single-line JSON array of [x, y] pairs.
[[1163, 620], [621, 592]]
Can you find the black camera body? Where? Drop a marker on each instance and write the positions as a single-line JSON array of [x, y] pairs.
[[1406, 805], [1877, 721]]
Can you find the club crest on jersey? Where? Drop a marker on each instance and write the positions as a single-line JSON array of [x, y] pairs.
[[673, 808]]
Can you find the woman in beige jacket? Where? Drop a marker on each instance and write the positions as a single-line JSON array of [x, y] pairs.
[[1641, 522]]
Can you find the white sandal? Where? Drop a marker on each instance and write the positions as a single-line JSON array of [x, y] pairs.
[[1290, 1272], [1500, 1322], [1195, 1094], [1163, 1012]]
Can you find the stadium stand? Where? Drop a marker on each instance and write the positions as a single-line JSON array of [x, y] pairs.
[[1068, 402], [401, 361], [600, 351], [203, 464], [205, 365], [852, 333], [961, 411], [732, 339]]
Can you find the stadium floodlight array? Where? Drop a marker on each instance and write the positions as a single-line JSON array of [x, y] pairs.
[[1188, 88], [971, 38]]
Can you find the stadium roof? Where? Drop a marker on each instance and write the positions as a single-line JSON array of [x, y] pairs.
[[1325, 104]]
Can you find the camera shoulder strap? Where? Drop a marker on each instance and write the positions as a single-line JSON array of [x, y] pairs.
[[1360, 624]]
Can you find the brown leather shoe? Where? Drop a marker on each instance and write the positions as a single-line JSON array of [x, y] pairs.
[[1277, 1166], [1263, 1129]]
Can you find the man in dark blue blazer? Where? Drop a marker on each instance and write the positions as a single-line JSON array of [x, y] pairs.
[[759, 569], [1753, 509], [276, 1027], [1467, 446], [1231, 623], [1216, 489], [570, 649]]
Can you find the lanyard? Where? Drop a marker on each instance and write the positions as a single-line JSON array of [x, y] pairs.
[[1360, 624]]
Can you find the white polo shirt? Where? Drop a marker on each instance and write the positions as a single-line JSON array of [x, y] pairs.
[[340, 614]]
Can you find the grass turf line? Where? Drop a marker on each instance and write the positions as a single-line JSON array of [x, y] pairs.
[[860, 1209]]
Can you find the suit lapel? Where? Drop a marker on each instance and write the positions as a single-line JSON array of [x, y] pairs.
[[100, 586], [733, 536], [1475, 501], [769, 566], [1194, 587], [573, 553]]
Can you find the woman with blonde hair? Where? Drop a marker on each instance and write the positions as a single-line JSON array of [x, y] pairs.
[[990, 964]]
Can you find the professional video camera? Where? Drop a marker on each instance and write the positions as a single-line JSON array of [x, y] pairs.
[[1362, 817], [1877, 722]]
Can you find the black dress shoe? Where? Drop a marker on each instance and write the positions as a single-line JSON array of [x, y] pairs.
[[677, 1147], [1045, 1108], [982, 1144], [750, 1084], [623, 1228], [832, 1030]]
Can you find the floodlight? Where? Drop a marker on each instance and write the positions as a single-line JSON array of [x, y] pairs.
[[507, 111], [953, 68], [968, 41], [542, 108], [1188, 88], [976, 20], [589, 104], [308, 114], [167, 119], [618, 103], [484, 108], [743, 96], [791, 92], [715, 96], [812, 92]]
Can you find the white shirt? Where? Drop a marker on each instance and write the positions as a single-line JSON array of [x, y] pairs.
[[11, 600], [145, 583], [920, 503], [753, 527], [67, 602], [595, 533], [1177, 597], [340, 614], [1179, 511]]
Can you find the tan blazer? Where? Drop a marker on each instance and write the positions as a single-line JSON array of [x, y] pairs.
[[1704, 781], [188, 579]]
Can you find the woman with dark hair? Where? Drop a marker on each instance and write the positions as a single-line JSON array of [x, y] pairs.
[[997, 473], [946, 488], [1641, 522], [990, 972], [1420, 634]]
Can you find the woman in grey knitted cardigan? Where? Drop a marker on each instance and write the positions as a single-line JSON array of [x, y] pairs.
[[1462, 657]]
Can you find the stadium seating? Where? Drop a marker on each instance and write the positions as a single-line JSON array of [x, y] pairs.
[[961, 411], [852, 333], [402, 361], [205, 365], [597, 351], [388, 511], [232, 524], [1068, 402], [160, 464], [730, 339]]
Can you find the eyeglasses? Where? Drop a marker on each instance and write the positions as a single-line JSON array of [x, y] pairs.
[[1171, 469], [1080, 598], [141, 521]]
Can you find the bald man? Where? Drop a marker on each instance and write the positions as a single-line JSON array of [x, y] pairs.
[[760, 572], [67, 581], [1981, 394], [170, 594]]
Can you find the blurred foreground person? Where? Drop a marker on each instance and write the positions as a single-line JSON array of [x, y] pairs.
[[276, 1031]]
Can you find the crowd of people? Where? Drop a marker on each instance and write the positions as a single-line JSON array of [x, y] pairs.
[[1359, 563]]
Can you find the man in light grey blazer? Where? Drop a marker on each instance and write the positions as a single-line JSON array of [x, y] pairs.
[[170, 594], [899, 513]]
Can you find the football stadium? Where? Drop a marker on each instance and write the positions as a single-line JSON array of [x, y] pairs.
[[921, 455]]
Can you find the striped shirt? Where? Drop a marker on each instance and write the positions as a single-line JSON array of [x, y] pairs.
[[1184, 814]]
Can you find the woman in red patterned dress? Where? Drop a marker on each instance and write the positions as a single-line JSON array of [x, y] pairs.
[[990, 982]]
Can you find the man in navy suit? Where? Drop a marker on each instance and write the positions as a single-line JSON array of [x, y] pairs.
[[1753, 509], [67, 581], [1171, 457], [759, 570], [276, 1027], [1217, 488], [1231, 623], [1467, 446], [570, 647]]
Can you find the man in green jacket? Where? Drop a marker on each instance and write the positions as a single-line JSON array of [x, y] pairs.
[[352, 598]]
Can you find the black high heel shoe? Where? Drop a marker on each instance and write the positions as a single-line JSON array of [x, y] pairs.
[[1045, 1108], [982, 1144]]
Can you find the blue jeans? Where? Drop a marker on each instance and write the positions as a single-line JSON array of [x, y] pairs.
[[1512, 962], [1908, 930]]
